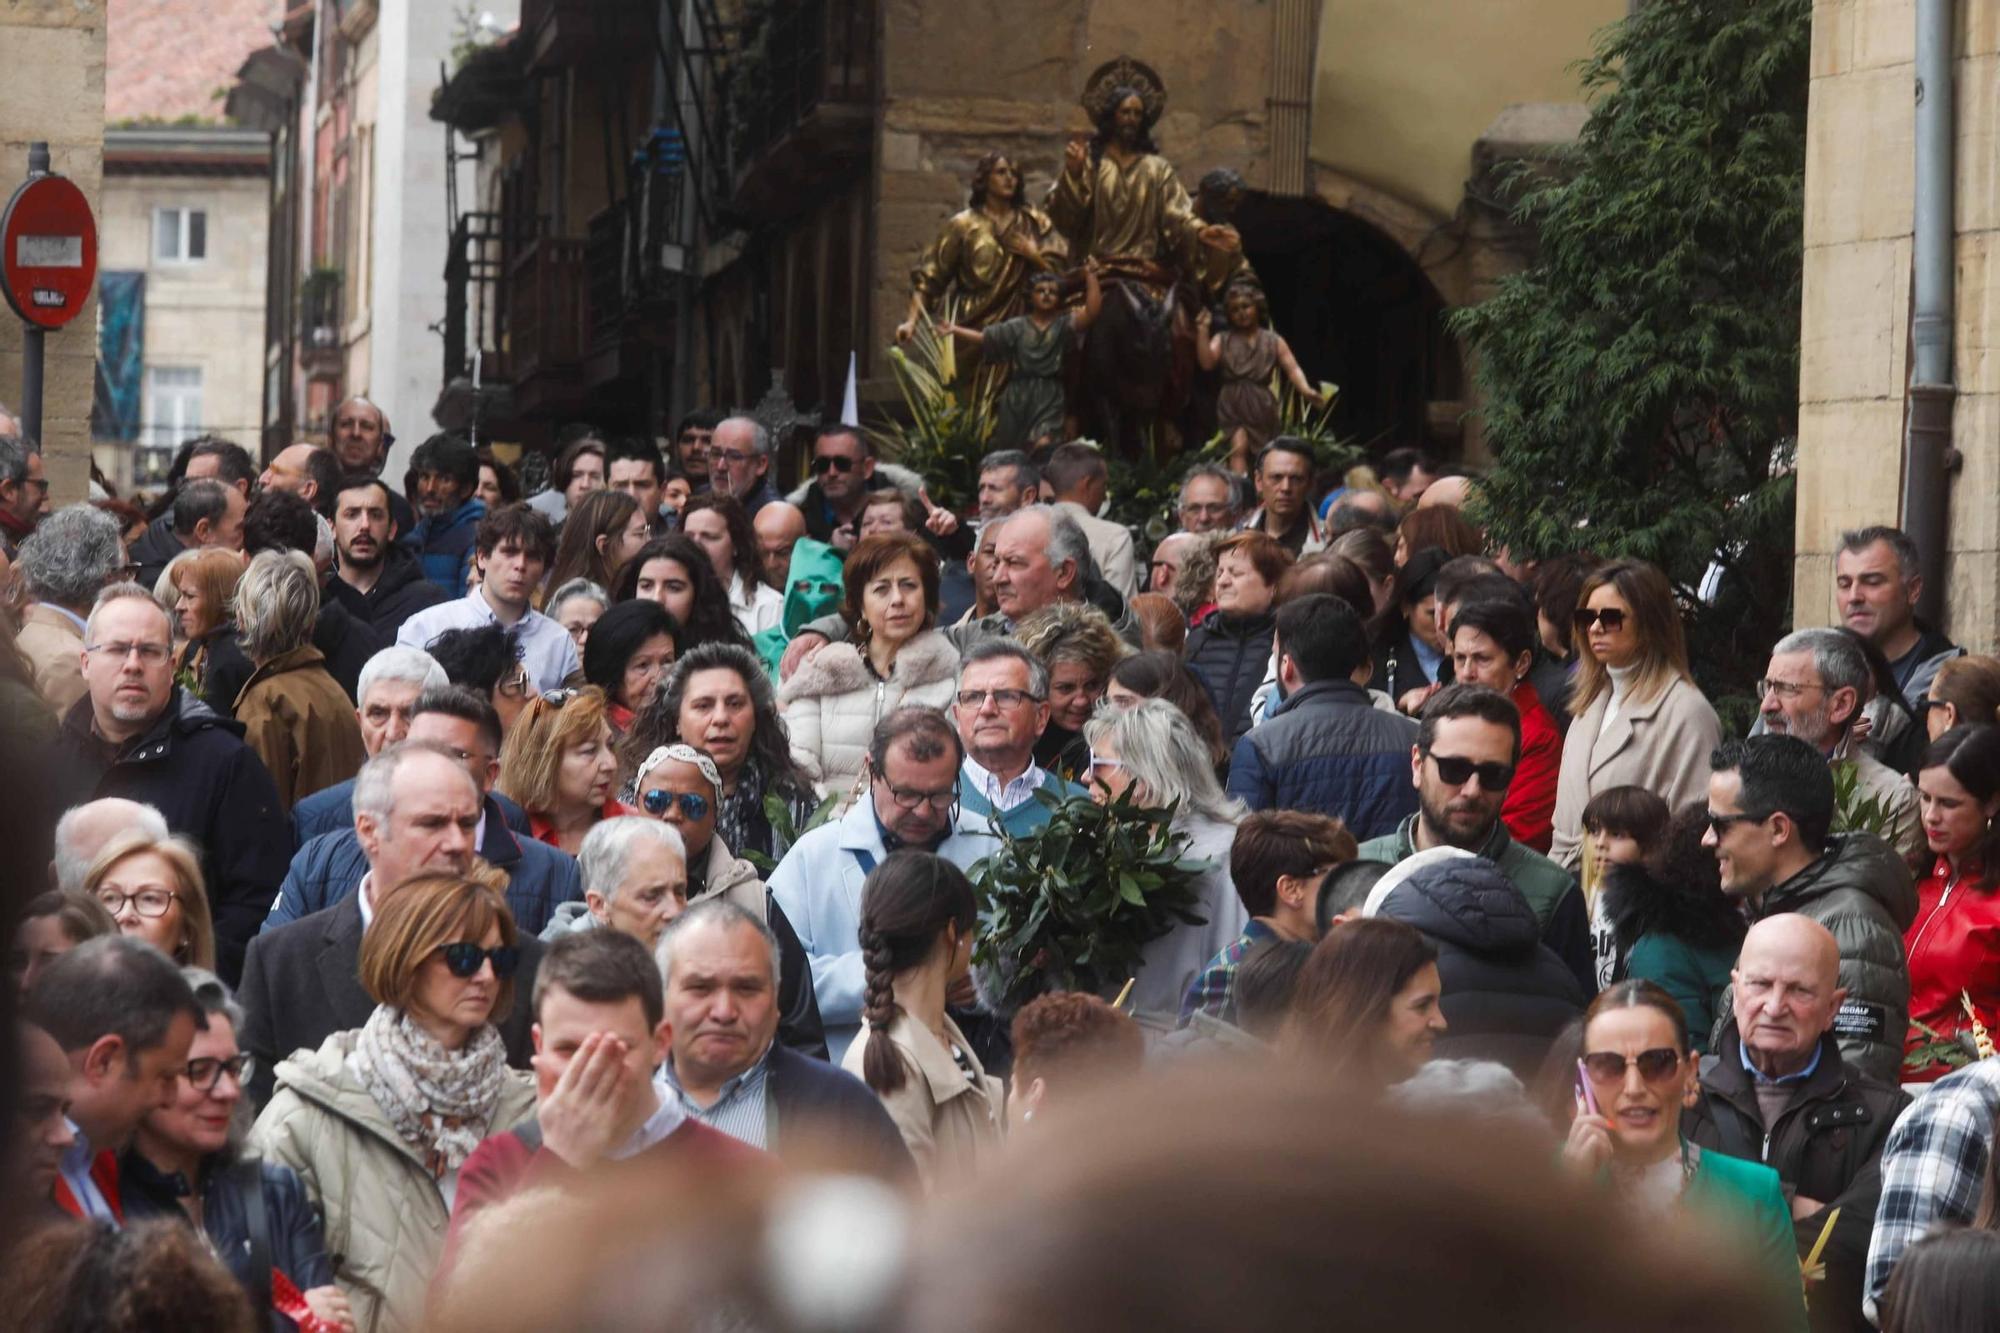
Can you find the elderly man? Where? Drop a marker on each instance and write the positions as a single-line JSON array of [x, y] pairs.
[[514, 547], [460, 722], [739, 463], [1770, 812], [24, 491], [1814, 688], [912, 801], [416, 811], [779, 527], [379, 580], [83, 830], [1078, 482], [125, 1017], [1008, 480], [388, 690], [361, 440], [66, 563], [1208, 500], [305, 470], [1165, 566], [139, 735], [1001, 708], [1776, 1091], [725, 1067]]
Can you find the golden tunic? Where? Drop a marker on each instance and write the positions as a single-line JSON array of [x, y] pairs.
[[1138, 220], [969, 256]]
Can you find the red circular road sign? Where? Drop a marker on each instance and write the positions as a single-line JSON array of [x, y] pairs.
[[48, 251]]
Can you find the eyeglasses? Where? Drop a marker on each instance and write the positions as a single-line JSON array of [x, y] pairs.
[[733, 457], [836, 462], [1611, 618], [1205, 510], [1655, 1066], [1721, 824], [206, 1072], [464, 959], [1098, 761], [1457, 771], [907, 799], [146, 902], [1007, 699], [1786, 689], [151, 654], [659, 800]]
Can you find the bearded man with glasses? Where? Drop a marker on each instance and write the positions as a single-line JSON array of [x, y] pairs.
[[139, 735], [913, 800], [1468, 744]]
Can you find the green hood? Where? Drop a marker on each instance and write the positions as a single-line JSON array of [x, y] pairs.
[[813, 588]]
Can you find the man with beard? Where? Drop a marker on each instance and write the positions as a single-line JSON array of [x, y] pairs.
[[379, 581], [1468, 743]]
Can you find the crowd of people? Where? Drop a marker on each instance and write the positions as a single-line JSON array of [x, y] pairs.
[[428, 863]]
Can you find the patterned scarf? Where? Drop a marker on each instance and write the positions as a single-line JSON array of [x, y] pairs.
[[740, 820], [441, 1102]]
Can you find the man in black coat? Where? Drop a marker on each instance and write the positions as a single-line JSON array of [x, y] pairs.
[[138, 735], [378, 580], [416, 812]]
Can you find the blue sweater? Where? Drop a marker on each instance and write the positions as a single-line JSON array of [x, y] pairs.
[[1027, 817]]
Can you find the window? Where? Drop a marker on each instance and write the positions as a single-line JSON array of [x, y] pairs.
[[180, 235], [173, 406]]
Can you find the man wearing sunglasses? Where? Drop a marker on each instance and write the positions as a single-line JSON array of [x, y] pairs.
[[1468, 743], [843, 475], [1776, 1091], [912, 801], [1770, 812]]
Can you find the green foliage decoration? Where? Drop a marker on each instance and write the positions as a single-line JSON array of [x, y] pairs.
[[948, 413]]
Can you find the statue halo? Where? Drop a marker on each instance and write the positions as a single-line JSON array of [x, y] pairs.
[[1124, 72]]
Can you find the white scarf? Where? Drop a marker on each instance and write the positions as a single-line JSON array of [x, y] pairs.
[[441, 1102]]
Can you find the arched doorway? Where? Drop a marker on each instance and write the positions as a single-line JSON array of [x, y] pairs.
[[1358, 312]]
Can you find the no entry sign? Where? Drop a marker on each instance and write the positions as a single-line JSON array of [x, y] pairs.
[[48, 251]]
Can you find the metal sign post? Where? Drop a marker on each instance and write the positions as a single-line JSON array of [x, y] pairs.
[[48, 264]]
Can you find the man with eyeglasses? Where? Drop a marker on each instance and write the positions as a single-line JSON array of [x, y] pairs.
[[912, 801], [139, 735], [1814, 688], [417, 811], [739, 463], [1208, 500], [1468, 746], [1776, 1091], [1002, 708], [1770, 812]]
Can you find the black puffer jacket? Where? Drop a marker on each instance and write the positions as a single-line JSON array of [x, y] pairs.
[[1228, 655], [1506, 994]]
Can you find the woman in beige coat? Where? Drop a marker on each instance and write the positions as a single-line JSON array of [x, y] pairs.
[[917, 914], [294, 714], [378, 1121], [897, 657], [1640, 719]]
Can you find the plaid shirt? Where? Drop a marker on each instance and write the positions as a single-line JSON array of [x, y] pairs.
[[1933, 1167], [1214, 991]]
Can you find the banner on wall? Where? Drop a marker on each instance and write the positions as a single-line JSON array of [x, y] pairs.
[[121, 357]]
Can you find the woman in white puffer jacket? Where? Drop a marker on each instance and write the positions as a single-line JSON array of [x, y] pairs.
[[896, 657]]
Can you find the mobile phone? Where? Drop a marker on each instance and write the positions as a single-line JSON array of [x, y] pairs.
[[1584, 1096]]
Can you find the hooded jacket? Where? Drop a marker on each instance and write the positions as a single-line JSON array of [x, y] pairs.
[[813, 587], [1227, 655], [832, 703], [1506, 994], [444, 542], [1328, 749], [193, 767], [385, 1215], [1860, 889], [401, 590]]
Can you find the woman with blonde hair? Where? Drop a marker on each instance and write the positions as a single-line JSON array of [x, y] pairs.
[[1078, 646], [1640, 719], [294, 714], [198, 588], [154, 891], [379, 1120], [558, 764]]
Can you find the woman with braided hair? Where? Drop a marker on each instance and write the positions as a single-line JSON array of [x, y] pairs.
[[917, 914]]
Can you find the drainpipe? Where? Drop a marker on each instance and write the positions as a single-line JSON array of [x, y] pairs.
[[1928, 456]]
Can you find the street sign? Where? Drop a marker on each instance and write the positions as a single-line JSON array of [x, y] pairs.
[[48, 251]]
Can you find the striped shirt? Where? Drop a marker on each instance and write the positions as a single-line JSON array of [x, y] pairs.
[[741, 1110]]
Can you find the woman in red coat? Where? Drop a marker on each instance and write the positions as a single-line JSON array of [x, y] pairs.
[[1954, 943], [1493, 644]]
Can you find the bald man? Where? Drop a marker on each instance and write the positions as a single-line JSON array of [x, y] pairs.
[[779, 526], [1452, 491], [1777, 1091], [84, 830]]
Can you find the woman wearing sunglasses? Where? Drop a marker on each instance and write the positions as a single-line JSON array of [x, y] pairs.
[[1640, 719], [380, 1118], [154, 891], [187, 1162], [558, 765], [1635, 1077]]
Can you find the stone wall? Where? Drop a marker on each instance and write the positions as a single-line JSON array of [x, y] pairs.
[[1860, 171], [52, 88]]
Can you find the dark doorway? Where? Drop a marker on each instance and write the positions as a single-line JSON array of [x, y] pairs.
[[1357, 312]]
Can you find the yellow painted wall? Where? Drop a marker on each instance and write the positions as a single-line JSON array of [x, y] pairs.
[[1404, 88]]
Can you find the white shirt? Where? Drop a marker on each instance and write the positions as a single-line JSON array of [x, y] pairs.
[[543, 646], [1004, 797], [758, 610]]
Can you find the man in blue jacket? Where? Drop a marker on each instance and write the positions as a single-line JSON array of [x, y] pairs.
[[1326, 747], [447, 472]]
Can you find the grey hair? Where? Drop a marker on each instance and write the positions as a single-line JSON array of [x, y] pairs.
[[760, 439], [212, 994], [15, 451], [1025, 472], [1066, 540], [995, 649], [72, 865], [375, 785], [121, 592], [400, 662], [718, 912], [323, 541], [204, 498], [1856, 540], [1836, 657], [1477, 1089], [277, 600], [71, 553], [1219, 473], [1160, 747], [607, 848], [570, 591]]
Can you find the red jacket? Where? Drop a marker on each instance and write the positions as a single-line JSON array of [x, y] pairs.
[[1530, 809], [104, 1172], [542, 830], [1953, 946]]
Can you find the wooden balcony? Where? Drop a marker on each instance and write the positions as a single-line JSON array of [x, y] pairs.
[[548, 311], [804, 116]]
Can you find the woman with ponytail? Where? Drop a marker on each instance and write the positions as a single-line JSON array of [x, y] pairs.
[[917, 915]]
